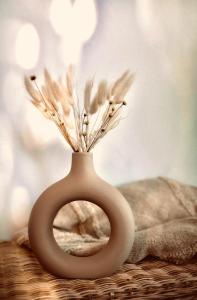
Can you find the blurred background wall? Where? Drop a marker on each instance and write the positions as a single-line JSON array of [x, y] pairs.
[[156, 39]]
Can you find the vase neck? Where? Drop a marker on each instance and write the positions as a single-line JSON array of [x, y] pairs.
[[82, 162]]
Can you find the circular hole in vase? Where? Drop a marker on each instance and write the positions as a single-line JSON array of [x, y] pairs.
[[81, 228]]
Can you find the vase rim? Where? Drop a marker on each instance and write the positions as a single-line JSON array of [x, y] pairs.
[[82, 154]]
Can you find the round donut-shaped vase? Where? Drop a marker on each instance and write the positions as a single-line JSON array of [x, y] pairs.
[[82, 183]]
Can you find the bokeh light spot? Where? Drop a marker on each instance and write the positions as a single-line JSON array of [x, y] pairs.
[[27, 46]]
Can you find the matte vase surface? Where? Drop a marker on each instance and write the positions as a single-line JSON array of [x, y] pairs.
[[82, 183]]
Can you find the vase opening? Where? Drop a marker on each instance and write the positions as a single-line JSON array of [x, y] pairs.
[[81, 223]]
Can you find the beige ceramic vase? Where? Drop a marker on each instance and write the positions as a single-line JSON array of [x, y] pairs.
[[82, 183]]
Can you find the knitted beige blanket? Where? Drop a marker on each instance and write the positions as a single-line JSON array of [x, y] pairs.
[[165, 213]]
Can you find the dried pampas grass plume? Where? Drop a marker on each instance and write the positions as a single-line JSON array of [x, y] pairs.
[[87, 95], [81, 128]]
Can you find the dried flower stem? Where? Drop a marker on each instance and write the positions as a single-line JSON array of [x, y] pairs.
[[103, 129], [56, 119]]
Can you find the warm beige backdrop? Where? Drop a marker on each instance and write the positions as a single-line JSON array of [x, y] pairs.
[[155, 39]]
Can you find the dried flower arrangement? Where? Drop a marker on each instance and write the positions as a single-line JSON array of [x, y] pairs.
[[81, 128]]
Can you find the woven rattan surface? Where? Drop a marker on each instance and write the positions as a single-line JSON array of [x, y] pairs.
[[21, 277]]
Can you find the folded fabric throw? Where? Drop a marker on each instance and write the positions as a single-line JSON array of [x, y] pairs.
[[165, 213]]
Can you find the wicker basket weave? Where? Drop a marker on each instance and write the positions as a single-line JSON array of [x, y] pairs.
[[22, 278]]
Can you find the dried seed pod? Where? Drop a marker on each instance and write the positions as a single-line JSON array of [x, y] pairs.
[[33, 77], [31, 90]]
